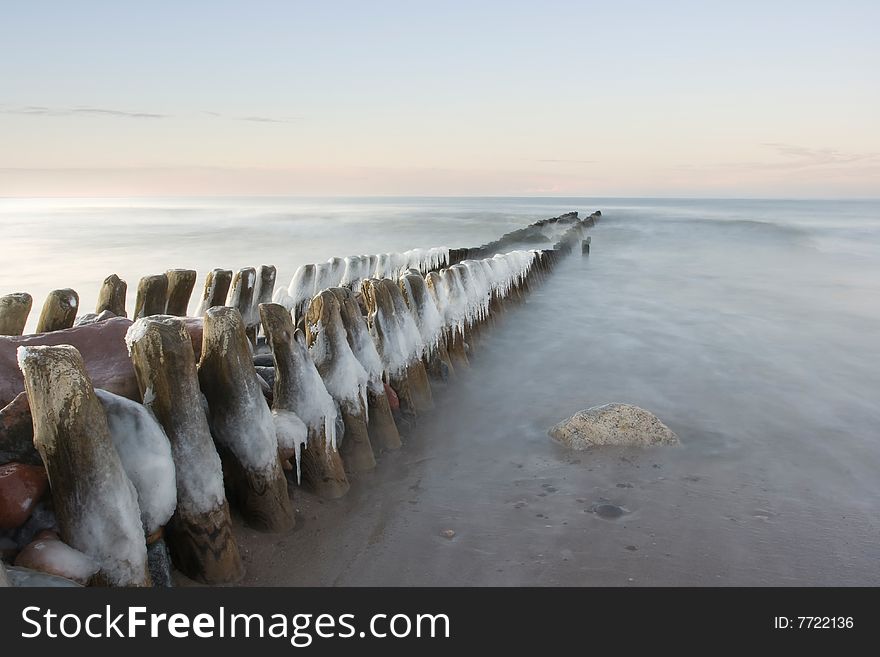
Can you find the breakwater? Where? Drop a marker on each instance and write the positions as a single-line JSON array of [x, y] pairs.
[[308, 389]]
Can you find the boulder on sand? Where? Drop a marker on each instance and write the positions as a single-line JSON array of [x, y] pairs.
[[613, 424]]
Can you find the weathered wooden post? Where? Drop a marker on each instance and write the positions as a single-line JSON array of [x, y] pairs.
[[417, 377], [200, 532], [585, 245], [456, 317], [389, 343], [14, 311], [112, 296], [241, 297], [95, 503], [242, 424], [59, 311], [180, 286], [345, 378], [424, 309], [381, 426], [152, 294], [455, 348], [216, 288], [299, 389], [263, 289]]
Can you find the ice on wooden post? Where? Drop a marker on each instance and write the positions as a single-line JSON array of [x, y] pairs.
[[217, 284], [300, 291], [59, 311], [345, 378], [299, 390], [14, 311], [111, 296], [242, 423], [200, 532], [152, 294], [430, 323], [454, 345], [417, 377], [180, 286], [95, 502], [390, 344], [381, 426]]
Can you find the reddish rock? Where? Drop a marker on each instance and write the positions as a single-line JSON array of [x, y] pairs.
[[17, 433], [21, 487], [103, 349], [393, 399]]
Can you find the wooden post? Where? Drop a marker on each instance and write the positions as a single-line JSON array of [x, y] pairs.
[[345, 378], [420, 388], [216, 288], [4, 578], [180, 286], [59, 311], [112, 296], [242, 423], [14, 311], [424, 309], [384, 328], [381, 426], [152, 293], [241, 297], [299, 389], [438, 290], [585, 246], [95, 503], [263, 288], [200, 532]]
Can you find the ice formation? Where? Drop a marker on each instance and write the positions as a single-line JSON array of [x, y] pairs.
[[345, 377], [422, 305], [146, 458], [312, 403], [359, 339]]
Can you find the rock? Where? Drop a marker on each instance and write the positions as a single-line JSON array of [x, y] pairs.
[[17, 433], [52, 556], [267, 374], [448, 533], [27, 578], [94, 318], [102, 346], [613, 424], [264, 360], [21, 487]]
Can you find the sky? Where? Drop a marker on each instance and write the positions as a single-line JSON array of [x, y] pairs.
[[704, 99]]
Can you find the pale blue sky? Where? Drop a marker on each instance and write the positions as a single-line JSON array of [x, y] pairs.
[[594, 98]]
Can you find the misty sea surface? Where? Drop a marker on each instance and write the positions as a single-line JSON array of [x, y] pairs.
[[751, 328]]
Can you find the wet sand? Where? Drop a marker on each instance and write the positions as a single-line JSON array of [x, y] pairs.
[[722, 509]]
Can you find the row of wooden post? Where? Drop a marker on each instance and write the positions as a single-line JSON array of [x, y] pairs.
[[237, 434]]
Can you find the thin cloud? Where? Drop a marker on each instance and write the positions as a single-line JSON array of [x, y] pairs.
[[805, 156], [567, 161], [263, 119], [40, 110]]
